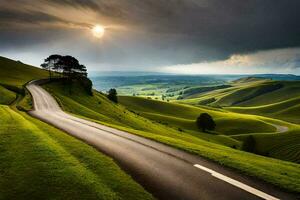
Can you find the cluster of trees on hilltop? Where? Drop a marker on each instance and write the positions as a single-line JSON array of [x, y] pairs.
[[64, 66], [68, 68]]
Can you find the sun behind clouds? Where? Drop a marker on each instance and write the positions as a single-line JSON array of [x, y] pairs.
[[98, 31]]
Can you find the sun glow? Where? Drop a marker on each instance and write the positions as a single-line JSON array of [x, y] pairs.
[[98, 31]]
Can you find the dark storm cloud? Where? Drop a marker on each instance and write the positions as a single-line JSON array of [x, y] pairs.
[[33, 17], [172, 31]]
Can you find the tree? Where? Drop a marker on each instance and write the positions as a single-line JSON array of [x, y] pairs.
[[52, 64], [70, 68], [205, 122], [249, 144], [66, 65], [112, 95]]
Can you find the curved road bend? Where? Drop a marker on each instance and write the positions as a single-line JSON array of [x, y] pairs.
[[164, 171]]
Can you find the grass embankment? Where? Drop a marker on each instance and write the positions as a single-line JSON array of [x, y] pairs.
[[16, 74], [281, 173], [38, 161]]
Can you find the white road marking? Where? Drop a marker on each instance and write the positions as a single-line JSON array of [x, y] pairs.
[[237, 183]]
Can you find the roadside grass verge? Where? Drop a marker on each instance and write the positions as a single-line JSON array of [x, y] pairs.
[[38, 161]]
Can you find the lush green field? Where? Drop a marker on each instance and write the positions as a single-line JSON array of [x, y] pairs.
[[99, 109]]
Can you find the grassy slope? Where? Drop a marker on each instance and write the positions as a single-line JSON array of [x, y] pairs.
[[236, 94], [6, 96], [287, 110], [37, 161], [282, 103], [283, 174], [184, 116], [16, 73]]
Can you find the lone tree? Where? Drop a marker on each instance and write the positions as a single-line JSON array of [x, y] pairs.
[[69, 68], [205, 122], [249, 144], [112, 95]]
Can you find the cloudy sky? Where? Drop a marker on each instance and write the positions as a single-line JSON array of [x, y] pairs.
[[179, 36]]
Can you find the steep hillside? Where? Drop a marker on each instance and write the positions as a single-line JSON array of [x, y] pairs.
[[15, 73]]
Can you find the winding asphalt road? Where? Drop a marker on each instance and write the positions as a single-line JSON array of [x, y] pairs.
[[166, 172]]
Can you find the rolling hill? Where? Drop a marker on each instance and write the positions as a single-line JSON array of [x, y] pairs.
[[277, 99], [253, 93]]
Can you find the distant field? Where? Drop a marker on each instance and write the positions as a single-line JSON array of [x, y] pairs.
[[256, 93]]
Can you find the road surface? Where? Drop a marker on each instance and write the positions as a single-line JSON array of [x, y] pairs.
[[280, 129], [166, 172]]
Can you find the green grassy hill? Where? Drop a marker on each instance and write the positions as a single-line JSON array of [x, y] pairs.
[[38, 161], [184, 116], [277, 99], [287, 110], [255, 93], [15, 73]]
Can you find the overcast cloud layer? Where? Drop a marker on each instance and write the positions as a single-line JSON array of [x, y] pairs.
[[184, 36]]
